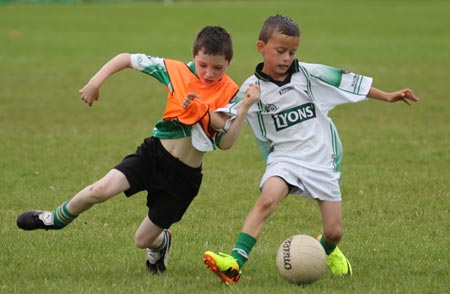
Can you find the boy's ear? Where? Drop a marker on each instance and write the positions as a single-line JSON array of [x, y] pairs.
[[260, 46]]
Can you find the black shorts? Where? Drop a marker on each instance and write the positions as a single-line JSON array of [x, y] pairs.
[[170, 183]]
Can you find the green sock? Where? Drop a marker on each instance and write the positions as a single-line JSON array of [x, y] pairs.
[[163, 244], [327, 246], [62, 217], [241, 250]]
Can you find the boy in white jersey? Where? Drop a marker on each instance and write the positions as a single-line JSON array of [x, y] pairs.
[[168, 165], [297, 139]]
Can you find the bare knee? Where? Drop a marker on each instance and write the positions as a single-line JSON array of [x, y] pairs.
[[141, 242], [148, 235], [98, 193], [333, 234], [266, 205]]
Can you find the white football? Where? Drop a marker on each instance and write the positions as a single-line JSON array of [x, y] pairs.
[[301, 259]]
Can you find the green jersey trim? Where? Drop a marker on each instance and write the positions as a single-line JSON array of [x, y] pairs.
[[262, 127], [171, 129], [334, 77], [191, 66], [337, 148], [158, 72], [308, 81]]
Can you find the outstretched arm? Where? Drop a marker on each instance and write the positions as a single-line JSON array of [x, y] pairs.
[[405, 95], [91, 91]]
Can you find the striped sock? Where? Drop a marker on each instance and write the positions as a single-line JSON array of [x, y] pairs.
[[62, 217], [327, 246], [163, 244], [241, 250]]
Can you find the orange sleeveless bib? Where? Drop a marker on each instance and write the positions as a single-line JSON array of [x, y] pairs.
[[184, 81]]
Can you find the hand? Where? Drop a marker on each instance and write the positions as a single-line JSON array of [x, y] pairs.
[[251, 96], [189, 98], [405, 95], [89, 93]]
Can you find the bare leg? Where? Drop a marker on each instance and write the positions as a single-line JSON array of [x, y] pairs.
[[113, 183], [332, 235], [148, 235], [331, 221], [157, 241], [274, 191]]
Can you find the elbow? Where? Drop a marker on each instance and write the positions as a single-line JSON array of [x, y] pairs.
[[222, 142], [124, 58], [225, 146]]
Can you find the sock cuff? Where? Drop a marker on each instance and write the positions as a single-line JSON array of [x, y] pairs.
[[62, 217], [163, 244], [327, 246], [241, 250], [248, 239], [66, 212]]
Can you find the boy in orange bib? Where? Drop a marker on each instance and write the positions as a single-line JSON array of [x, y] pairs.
[[168, 165]]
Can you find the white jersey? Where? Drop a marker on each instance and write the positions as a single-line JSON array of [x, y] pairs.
[[294, 133], [290, 120]]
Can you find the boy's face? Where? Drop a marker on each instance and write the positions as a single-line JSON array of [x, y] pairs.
[[210, 68], [278, 54]]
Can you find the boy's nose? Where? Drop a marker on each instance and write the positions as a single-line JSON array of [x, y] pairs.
[[209, 74], [286, 56]]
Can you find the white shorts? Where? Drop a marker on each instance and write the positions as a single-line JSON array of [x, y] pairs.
[[306, 182]]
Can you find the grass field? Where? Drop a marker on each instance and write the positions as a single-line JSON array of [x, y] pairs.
[[396, 167]]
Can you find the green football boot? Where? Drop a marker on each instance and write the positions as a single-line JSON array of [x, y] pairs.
[[223, 265], [338, 263]]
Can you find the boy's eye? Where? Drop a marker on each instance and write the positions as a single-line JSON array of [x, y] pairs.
[[215, 67]]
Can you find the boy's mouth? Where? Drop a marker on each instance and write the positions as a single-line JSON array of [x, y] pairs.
[[208, 82]]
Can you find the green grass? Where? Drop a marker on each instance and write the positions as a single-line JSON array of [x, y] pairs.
[[395, 171]]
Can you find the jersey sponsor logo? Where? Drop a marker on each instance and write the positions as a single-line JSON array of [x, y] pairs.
[[293, 116], [354, 80], [286, 89]]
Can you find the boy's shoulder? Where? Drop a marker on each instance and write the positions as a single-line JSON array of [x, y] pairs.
[[250, 80], [328, 74], [176, 62], [316, 69]]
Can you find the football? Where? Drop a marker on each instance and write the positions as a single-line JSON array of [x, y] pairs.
[[301, 259]]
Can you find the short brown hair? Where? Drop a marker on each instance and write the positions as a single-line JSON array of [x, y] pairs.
[[278, 23], [213, 40]]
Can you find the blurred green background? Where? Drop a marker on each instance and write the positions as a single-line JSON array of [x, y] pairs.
[[396, 158]]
